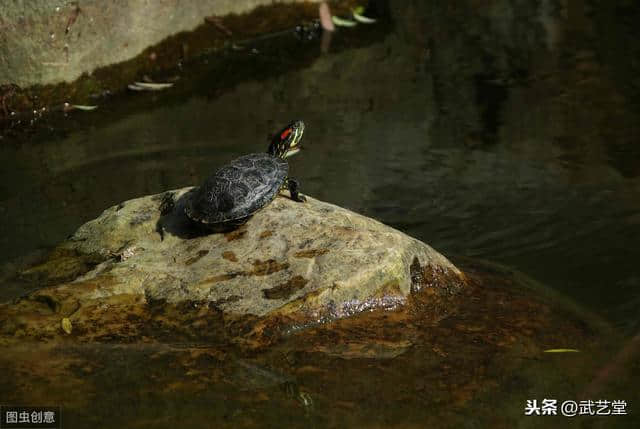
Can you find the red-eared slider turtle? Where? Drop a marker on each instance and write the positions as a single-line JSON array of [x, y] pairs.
[[234, 192]]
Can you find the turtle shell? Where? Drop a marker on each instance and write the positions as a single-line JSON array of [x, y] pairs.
[[237, 190]]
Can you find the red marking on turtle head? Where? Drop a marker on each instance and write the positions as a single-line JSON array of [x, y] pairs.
[[285, 133]]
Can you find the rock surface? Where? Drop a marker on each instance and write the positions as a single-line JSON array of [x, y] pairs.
[[313, 260], [44, 42]]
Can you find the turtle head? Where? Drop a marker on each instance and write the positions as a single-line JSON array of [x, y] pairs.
[[287, 142]]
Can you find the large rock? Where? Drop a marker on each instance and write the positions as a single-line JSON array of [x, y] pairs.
[[313, 260]]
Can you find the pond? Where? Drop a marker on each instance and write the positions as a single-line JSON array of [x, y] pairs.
[[507, 136]]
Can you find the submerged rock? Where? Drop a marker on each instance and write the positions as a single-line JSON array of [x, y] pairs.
[[313, 261]]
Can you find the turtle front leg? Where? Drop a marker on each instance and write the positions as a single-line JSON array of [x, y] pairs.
[[293, 185]]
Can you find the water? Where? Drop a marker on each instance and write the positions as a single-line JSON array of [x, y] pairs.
[[509, 136]]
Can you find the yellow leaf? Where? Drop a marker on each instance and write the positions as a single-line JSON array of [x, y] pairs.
[[66, 325]]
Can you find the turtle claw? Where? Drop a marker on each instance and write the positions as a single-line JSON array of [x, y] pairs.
[[293, 185]]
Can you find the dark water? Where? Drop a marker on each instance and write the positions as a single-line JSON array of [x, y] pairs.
[[508, 134]]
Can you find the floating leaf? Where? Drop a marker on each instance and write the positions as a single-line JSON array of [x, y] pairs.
[[153, 86], [562, 351], [66, 325], [340, 22], [83, 107], [135, 87], [357, 15], [149, 86]]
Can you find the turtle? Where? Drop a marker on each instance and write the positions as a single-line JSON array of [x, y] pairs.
[[236, 191]]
